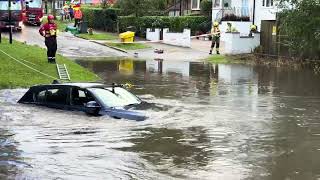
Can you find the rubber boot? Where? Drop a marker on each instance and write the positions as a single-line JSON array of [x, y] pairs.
[[49, 59], [218, 52], [210, 52], [53, 60]]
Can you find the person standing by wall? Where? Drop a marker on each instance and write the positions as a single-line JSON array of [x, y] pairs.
[[49, 31], [66, 12], [77, 15], [71, 12], [215, 33]]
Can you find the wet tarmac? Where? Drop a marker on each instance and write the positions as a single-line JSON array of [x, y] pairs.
[[68, 44], [211, 122]]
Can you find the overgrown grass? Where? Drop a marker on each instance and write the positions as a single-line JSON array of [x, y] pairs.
[[99, 36], [129, 46], [221, 59], [62, 25], [13, 74]]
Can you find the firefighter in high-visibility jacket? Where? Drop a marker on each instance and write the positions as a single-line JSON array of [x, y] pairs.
[[215, 33], [77, 15], [49, 31]]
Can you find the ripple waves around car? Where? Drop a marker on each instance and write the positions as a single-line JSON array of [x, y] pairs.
[[93, 98]]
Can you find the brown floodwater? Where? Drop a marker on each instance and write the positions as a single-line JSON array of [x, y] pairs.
[[207, 121]]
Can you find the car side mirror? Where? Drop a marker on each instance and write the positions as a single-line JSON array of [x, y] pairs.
[[92, 107]]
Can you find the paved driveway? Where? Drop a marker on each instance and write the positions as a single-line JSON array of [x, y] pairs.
[[74, 47]]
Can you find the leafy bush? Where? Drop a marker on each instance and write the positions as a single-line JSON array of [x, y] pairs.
[[99, 18], [301, 25], [176, 24], [206, 7], [141, 8]]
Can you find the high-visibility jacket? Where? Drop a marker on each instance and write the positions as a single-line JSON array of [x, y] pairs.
[[48, 30], [78, 14], [215, 31]]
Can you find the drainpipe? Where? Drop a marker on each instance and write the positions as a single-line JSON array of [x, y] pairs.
[[187, 7], [174, 7], [254, 11], [180, 8]]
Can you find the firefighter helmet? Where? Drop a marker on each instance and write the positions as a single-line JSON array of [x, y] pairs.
[[215, 24], [253, 27]]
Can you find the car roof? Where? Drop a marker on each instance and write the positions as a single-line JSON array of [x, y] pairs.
[[80, 85]]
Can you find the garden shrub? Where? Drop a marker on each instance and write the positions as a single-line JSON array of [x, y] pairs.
[[99, 18], [175, 24]]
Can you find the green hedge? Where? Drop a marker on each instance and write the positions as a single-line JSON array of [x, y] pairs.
[[107, 19], [175, 24], [99, 18]]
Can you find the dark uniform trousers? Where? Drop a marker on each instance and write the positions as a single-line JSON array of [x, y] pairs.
[[51, 43]]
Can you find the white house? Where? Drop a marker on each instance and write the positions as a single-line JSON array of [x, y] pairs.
[[250, 11], [242, 14]]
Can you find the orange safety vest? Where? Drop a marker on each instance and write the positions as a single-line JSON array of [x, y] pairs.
[[77, 14]]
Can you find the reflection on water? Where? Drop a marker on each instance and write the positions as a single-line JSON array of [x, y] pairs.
[[173, 147], [10, 162], [207, 121]]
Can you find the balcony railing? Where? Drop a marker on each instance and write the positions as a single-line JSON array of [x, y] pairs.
[[235, 14]]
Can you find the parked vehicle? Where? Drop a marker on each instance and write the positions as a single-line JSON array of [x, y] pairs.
[[92, 98], [33, 12], [16, 14]]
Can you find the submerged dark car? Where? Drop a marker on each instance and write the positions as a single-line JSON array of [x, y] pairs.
[[92, 98]]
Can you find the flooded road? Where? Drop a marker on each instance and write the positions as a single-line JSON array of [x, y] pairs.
[[208, 122]]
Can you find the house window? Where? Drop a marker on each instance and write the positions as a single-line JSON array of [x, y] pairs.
[[195, 4], [267, 3], [59, 5], [216, 3]]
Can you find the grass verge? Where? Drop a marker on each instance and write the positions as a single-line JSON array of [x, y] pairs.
[[128, 46], [98, 36], [221, 59], [62, 25], [14, 74]]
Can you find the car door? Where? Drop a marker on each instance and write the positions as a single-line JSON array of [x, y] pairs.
[[57, 97], [78, 99]]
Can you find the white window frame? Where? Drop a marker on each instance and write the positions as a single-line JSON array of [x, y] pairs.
[[269, 5], [198, 5], [217, 5]]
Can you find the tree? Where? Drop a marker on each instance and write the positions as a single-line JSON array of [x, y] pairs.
[[302, 25], [136, 7], [206, 7], [140, 7]]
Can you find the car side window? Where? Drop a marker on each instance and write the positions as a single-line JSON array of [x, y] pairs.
[[57, 96], [82, 94], [80, 97], [41, 97]]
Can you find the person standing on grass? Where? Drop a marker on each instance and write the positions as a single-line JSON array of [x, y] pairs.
[[215, 33], [77, 15], [49, 31]]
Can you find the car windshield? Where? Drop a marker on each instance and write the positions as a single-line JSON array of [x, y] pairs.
[[121, 97], [15, 5], [35, 3]]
